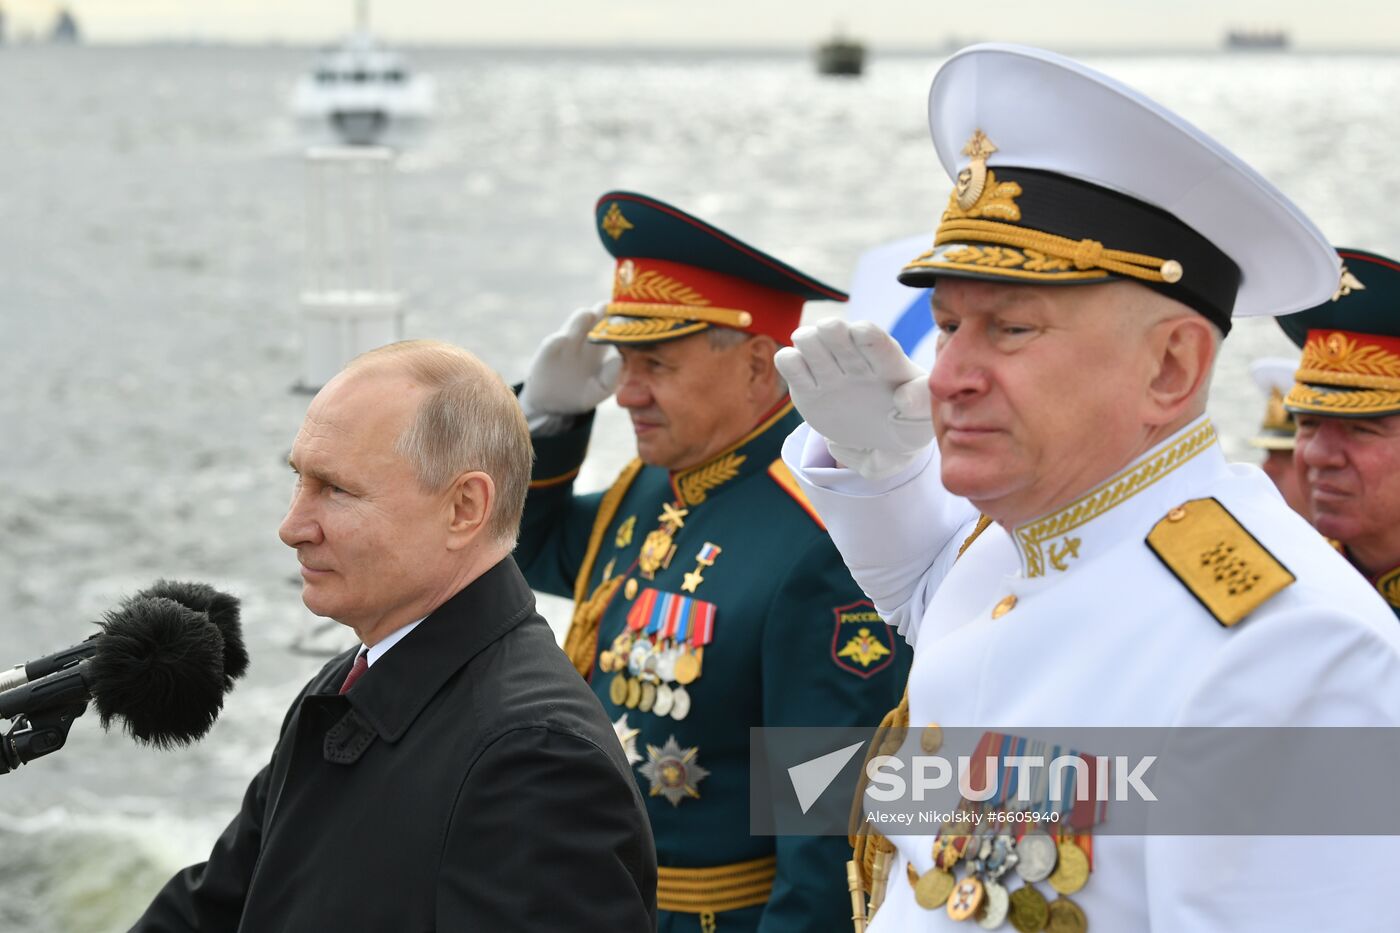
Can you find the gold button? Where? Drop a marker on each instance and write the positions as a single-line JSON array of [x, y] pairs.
[[1002, 608], [1176, 514], [1172, 271], [629, 589], [932, 738]]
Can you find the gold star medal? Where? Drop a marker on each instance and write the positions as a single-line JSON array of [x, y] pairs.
[[706, 558], [674, 772]]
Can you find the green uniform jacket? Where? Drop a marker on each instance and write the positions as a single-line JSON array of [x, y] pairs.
[[795, 643]]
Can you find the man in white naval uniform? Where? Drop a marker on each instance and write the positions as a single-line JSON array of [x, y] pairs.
[[1088, 263]]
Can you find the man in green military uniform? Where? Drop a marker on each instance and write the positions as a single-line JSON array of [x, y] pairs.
[[708, 597], [1346, 402]]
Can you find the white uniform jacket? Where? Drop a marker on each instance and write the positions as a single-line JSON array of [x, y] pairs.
[[1102, 633]]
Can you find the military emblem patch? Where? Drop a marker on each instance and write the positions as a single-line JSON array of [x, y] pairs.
[[862, 643]]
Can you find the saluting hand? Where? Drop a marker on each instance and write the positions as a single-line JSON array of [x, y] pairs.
[[569, 375], [856, 388]]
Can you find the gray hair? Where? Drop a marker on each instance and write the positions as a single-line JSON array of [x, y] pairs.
[[723, 338], [470, 421]]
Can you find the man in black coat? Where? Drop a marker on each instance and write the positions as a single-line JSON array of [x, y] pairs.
[[452, 773]]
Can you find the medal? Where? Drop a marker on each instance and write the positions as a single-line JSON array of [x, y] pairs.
[[1072, 872], [617, 690], [931, 889], [638, 657], [1028, 911], [607, 662], [674, 772], [1037, 856], [662, 706], [687, 668], [1002, 857], [1066, 917], [965, 899], [994, 906], [946, 852], [703, 560], [666, 664], [648, 696], [634, 693], [680, 704], [658, 548], [628, 737]]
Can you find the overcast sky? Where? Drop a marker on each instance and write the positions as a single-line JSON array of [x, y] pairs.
[[798, 23]]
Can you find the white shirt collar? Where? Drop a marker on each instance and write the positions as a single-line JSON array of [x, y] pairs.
[[388, 641]]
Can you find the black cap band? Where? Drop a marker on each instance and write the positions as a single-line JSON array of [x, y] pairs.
[[1037, 202]]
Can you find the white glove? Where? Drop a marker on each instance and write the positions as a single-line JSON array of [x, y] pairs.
[[855, 387], [569, 375]]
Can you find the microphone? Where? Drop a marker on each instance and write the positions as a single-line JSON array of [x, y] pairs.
[[22, 674], [221, 608], [157, 666]]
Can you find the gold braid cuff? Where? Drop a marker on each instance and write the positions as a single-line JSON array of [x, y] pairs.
[[1045, 253], [715, 890], [581, 643], [866, 844]]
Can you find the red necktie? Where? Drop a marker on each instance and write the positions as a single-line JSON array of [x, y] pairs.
[[356, 671]]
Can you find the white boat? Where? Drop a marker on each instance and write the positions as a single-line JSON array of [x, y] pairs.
[[363, 91]]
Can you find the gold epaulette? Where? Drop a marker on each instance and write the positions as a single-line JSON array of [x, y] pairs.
[[781, 475], [581, 641], [1223, 565]]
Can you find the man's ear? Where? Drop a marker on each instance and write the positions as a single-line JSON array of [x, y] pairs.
[[473, 495], [1182, 351], [763, 375]]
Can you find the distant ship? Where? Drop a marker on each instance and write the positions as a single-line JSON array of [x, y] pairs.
[[363, 91], [65, 29], [1256, 39], [840, 56]]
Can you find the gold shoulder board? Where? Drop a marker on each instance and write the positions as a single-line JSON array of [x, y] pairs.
[[780, 474], [1222, 564]]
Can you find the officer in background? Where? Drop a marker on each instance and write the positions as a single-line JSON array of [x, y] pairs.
[[709, 598], [1088, 262], [1274, 377], [1346, 402]]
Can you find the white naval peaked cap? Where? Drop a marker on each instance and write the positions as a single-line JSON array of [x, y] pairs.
[[1061, 120], [1274, 375]]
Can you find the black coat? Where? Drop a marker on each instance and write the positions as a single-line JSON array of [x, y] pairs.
[[469, 781]]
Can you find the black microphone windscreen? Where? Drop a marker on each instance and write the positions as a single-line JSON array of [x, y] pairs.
[[222, 610], [160, 669]]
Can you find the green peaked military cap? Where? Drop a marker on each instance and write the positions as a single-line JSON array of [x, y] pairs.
[[677, 275], [1351, 343]]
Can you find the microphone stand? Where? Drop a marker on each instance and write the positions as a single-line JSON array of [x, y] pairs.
[[38, 734]]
